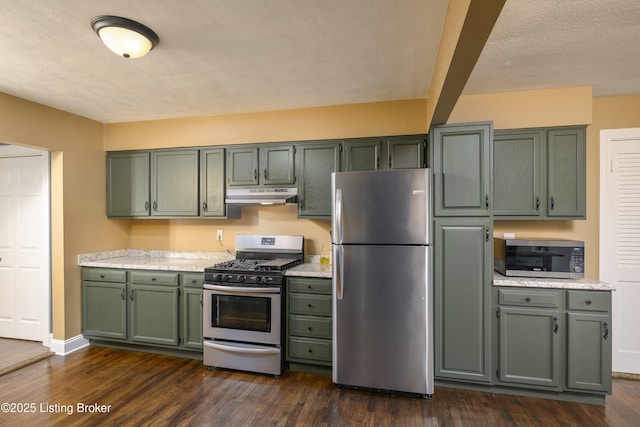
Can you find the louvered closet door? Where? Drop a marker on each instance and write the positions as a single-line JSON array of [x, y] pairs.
[[620, 241]]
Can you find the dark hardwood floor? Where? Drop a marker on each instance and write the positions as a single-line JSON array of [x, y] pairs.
[[136, 389]]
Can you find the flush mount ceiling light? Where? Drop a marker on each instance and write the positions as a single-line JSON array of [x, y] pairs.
[[125, 37]]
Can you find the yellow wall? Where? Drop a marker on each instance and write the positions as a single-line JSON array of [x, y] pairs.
[[78, 196]]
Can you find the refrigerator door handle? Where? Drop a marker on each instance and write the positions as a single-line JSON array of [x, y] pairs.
[[338, 216], [338, 262]]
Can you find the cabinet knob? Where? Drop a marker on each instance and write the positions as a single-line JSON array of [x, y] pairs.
[[310, 306], [527, 299], [588, 302]]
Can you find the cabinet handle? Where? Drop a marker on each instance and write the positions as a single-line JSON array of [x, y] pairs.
[[153, 279], [588, 302], [131, 295], [527, 299], [146, 206], [537, 203], [255, 175], [204, 206], [122, 294], [552, 203], [555, 325], [486, 201], [301, 204], [266, 175], [605, 325], [155, 206], [486, 233]]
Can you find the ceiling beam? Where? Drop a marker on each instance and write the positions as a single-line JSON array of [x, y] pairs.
[[467, 28]]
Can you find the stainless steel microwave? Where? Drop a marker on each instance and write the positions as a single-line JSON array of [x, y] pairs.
[[539, 258]]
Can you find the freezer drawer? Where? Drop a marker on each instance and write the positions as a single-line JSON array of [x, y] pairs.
[[382, 330]]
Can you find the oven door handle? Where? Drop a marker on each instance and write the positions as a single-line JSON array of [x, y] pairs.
[[241, 289], [244, 350]]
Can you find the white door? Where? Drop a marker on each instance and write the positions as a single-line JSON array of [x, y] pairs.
[[24, 247], [620, 240]]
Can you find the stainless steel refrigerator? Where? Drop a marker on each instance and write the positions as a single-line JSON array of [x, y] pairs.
[[382, 286]]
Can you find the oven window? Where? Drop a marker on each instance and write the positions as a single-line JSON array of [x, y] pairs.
[[241, 312]]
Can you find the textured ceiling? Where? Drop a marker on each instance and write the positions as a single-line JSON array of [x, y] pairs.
[[224, 57]]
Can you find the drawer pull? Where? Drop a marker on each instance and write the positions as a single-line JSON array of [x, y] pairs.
[[153, 279], [527, 299], [310, 350], [588, 302], [310, 328], [309, 287], [102, 276], [310, 305]]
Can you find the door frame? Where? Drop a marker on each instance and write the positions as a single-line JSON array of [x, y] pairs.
[[12, 151]]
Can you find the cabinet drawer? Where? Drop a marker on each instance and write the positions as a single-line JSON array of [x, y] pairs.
[[192, 280], [154, 278], [530, 298], [104, 275], [589, 300], [310, 285], [314, 305], [309, 348], [306, 326]]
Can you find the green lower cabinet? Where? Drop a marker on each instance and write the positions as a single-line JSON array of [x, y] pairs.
[[309, 321], [529, 347], [104, 310], [143, 309], [154, 314], [191, 315], [462, 282]]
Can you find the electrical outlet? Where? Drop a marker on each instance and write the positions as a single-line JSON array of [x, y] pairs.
[[219, 235]]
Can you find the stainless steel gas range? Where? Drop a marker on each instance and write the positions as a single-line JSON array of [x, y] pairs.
[[243, 308]]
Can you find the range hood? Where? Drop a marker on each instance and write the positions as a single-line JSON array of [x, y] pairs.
[[261, 196]]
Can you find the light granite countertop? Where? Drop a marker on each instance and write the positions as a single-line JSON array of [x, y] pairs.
[[586, 283], [137, 259]]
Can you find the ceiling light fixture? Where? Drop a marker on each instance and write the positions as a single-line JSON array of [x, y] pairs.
[[125, 37]]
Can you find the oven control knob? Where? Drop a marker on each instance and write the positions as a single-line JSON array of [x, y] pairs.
[[228, 277], [217, 277], [258, 279], [241, 278], [268, 279]]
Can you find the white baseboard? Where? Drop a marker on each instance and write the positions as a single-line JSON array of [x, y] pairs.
[[62, 348]]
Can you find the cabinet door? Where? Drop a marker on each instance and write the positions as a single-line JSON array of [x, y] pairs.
[[589, 352], [362, 155], [128, 184], [242, 165], [529, 346], [192, 318], [175, 182], [317, 162], [212, 182], [566, 176], [104, 310], [154, 314], [406, 153], [461, 165], [277, 164], [516, 173], [462, 274]]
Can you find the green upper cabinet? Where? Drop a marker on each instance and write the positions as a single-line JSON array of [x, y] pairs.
[[516, 173], [242, 165], [462, 282], [461, 163], [175, 178], [317, 161], [362, 154], [406, 152], [277, 164], [212, 189], [267, 164], [540, 173], [396, 152], [128, 184], [566, 173], [160, 183]]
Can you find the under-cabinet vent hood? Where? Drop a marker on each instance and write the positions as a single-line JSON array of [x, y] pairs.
[[261, 196]]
